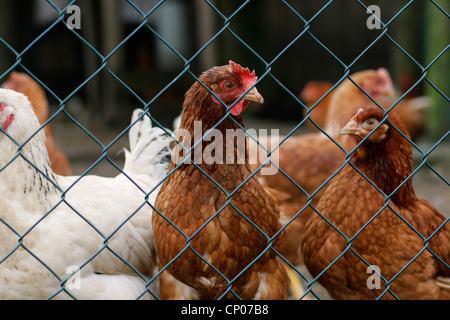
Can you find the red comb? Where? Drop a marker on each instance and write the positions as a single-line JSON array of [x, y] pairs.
[[236, 68]]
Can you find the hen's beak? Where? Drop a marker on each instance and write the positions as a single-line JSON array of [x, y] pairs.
[[254, 95], [351, 128]]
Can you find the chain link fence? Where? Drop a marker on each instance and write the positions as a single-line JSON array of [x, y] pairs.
[[98, 61]]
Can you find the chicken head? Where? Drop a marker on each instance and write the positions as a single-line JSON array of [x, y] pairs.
[[235, 83], [16, 115], [363, 123]]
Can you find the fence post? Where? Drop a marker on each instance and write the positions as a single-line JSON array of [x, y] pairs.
[[111, 37], [90, 61], [205, 23], [437, 38]]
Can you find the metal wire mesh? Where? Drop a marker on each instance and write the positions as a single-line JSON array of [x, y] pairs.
[[225, 29]]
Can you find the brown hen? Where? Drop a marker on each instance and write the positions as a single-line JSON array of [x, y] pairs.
[[23, 83], [371, 233], [204, 233]]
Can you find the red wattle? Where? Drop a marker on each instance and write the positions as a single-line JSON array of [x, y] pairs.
[[9, 120], [239, 107]]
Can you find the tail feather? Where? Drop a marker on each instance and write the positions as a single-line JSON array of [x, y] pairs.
[[443, 283], [149, 148]]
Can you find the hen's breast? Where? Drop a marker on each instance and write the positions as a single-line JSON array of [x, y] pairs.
[[221, 226], [364, 233]]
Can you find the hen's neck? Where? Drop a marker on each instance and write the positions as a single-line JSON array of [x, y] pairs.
[[227, 141], [21, 180], [387, 165], [199, 106]]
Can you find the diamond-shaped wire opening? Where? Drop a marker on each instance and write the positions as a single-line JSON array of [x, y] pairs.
[[228, 14]]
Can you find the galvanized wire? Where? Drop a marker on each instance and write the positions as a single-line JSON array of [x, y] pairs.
[[186, 70]]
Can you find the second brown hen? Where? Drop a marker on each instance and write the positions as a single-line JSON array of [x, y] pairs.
[[364, 228]]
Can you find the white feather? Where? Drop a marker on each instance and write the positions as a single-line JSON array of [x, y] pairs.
[[48, 225]]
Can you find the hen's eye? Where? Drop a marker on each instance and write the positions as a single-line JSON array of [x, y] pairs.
[[371, 122], [228, 85]]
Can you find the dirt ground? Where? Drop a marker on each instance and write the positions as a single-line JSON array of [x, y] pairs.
[[83, 152]]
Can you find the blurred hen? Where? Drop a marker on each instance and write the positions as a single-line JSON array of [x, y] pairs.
[[411, 109], [23, 83], [310, 159]]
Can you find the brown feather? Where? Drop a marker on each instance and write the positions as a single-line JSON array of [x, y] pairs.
[[196, 205], [350, 202]]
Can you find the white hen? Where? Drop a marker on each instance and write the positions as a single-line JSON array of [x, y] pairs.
[[50, 227]]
